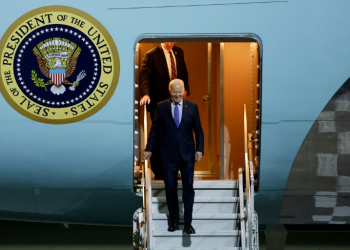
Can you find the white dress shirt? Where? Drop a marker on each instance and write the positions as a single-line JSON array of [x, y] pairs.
[[167, 57]]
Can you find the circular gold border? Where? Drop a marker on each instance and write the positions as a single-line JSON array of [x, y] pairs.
[[100, 27]]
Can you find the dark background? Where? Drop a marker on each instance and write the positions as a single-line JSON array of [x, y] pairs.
[[16, 235]]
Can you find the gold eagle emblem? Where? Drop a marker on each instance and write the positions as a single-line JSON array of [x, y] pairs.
[[57, 59]]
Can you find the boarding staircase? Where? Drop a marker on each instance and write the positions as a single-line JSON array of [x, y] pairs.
[[223, 214]]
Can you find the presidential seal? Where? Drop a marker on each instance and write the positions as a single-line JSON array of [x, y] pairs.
[[58, 65]]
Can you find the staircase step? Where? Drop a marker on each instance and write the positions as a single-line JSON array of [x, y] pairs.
[[159, 225], [200, 221], [208, 238], [201, 192], [199, 233], [201, 185], [201, 199], [198, 248], [202, 188], [213, 207], [201, 205], [202, 216]]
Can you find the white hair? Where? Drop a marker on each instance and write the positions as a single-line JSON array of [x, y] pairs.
[[177, 81]]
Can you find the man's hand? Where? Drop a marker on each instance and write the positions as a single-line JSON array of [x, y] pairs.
[[145, 100], [198, 157], [147, 155], [185, 94]]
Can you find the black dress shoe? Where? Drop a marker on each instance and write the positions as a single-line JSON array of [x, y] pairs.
[[188, 229], [173, 226]]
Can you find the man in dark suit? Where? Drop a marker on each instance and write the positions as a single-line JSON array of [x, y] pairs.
[[176, 119], [160, 65]]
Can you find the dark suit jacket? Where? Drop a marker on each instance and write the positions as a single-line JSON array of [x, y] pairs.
[[173, 138], [154, 76]]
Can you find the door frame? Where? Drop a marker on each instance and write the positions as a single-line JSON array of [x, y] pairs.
[[205, 38]]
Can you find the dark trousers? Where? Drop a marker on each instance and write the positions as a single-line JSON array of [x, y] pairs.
[[156, 164], [170, 170]]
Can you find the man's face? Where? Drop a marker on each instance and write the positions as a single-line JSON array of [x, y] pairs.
[[176, 91], [168, 46]]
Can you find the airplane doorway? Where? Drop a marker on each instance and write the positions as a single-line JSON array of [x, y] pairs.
[[223, 76]]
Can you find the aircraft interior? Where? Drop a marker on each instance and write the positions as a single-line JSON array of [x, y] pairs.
[[223, 76]]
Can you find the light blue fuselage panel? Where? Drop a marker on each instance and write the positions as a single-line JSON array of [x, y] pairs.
[[82, 172]]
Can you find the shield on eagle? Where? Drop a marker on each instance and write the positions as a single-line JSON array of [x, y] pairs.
[[57, 76]]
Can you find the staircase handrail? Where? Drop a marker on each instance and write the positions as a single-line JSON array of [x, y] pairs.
[[251, 168], [249, 189], [147, 193], [143, 184], [149, 209], [241, 207]]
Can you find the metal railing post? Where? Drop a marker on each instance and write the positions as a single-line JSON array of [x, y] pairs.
[[247, 180], [144, 183], [241, 207], [148, 191], [144, 206]]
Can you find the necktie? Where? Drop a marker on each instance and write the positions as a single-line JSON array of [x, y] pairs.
[[173, 67], [176, 115]]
